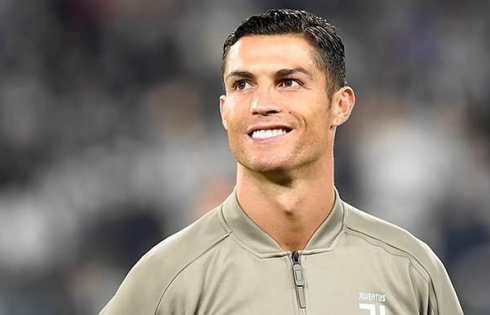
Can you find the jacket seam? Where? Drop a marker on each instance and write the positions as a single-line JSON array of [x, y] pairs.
[[243, 245], [187, 265], [407, 255]]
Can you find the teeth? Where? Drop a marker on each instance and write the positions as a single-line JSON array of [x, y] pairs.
[[266, 134]]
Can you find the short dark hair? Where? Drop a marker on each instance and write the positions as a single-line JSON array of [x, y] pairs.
[[316, 30]]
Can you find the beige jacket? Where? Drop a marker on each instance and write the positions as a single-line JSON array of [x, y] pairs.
[[225, 264]]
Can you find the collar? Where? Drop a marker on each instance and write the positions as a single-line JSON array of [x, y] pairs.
[[256, 240]]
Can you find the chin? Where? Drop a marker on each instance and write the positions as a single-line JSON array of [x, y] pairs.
[[264, 163]]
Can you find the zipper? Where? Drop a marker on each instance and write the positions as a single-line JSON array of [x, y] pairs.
[[299, 281]]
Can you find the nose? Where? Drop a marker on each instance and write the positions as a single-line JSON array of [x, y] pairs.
[[264, 104]]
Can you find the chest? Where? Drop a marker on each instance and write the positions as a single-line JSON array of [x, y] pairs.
[[322, 283]]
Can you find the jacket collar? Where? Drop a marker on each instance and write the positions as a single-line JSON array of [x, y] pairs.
[[256, 240]]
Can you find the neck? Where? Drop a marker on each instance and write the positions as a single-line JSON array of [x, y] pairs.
[[289, 207]]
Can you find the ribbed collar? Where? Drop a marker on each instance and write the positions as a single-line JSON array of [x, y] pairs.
[[256, 240]]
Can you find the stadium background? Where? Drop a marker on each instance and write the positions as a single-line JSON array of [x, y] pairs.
[[110, 136]]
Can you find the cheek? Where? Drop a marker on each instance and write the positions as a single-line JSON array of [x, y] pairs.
[[236, 113], [319, 113]]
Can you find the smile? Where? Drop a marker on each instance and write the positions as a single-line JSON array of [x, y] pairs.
[[268, 133]]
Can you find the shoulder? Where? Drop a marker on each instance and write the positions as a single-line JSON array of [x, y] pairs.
[[393, 239], [183, 247], [397, 242], [193, 240], [148, 280]]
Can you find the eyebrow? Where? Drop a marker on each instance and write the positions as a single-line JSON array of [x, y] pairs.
[[287, 72], [278, 74], [240, 74]]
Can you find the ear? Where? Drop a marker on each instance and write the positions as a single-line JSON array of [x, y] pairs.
[[342, 104], [223, 110]]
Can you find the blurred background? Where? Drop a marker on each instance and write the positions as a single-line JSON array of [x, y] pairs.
[[110, 135]]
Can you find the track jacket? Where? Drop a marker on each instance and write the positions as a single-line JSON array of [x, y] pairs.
[[225, 264]]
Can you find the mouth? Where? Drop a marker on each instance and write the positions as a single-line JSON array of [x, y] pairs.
[[262, 134]]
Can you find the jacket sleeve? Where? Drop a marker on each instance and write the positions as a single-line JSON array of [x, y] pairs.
[[433, 288], [442, 295]]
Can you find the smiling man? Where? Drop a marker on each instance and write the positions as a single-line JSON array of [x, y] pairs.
[[284, 242]]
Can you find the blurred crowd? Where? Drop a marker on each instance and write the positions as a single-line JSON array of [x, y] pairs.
[[111, 139]]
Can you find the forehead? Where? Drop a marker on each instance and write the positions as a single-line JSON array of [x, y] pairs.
[[261, 52]]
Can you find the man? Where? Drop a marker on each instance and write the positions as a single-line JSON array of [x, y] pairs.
[[284, 242]]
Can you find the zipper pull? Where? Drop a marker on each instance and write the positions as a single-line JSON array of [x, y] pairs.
[[299, 280]]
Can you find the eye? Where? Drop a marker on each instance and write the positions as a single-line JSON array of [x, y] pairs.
[[289, 83], [241, 85]]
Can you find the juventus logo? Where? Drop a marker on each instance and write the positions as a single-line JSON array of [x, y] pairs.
[[370, 301]]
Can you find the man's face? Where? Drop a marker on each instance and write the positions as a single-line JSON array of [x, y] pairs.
[[276, 109]]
